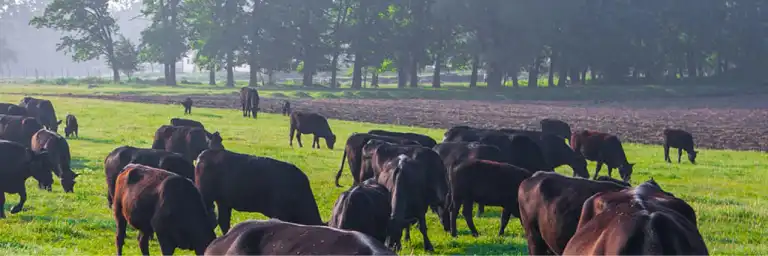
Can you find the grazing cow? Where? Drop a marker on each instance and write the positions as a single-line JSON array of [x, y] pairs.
[[18, 129], [487, 183], [187, 103], [407, 182], [153, 201], [557, 153], [681, 140], [286, 108], [602, 148], [311, 123], [249, 101], [643, 220], [518, 149], [364, 208], [58, 156], [187, 141], [556, 127], [353, 153], [455, 153], [71, 127], [116, 161], [550, 205], [186, 122], [255, 184], [11, 109], [43, 111], [424, 140], [17, 163], [275, 237]]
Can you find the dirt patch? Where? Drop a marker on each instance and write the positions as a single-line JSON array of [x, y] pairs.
[[734, 122]]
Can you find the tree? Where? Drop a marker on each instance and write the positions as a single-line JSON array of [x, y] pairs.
[[165, 36], [7, 55], [126, 56], [89, 27]]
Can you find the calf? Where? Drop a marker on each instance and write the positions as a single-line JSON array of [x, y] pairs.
[[556, 127], [17, 163], [364, 208], [642, 220], [311, 123], [18, 129], [550, 205], [187, 103], [407, 182], [255, 184], [275, 237], [353, 153], [487, 183], [71, 127], [43, 111], [116, 161], [157, 201], [187, 141], [424, 140], [249, 101], [286, 108], [11, 109], [681, 140], [602, 148], [58, 154]]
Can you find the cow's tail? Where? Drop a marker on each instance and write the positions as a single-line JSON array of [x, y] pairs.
[[338, 174]]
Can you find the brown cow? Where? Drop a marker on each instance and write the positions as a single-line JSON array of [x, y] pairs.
[[58, 155], [187, 141], [681, 140], [71, 127], [422, 139], [275, 237], [154, 200], [550, 204], [556, 127], [364, 208], [11, 109], [353, 153], [602, 148], [18, 129], [116, 161], [43, 111], [249, 101], [187, 103], [487, 183], [17, 163], [311, 123], [255, 184], [643, 220]]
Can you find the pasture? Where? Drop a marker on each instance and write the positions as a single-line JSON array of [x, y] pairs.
[[726, 188]]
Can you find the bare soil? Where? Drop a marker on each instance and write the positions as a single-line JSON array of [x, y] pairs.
[[732, 122]]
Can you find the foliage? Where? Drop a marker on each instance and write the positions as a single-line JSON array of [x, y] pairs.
[[126, 56]]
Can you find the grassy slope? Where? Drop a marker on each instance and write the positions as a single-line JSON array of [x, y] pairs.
[[727, 189]]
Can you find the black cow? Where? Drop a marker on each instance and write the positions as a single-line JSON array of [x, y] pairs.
[[43, 111], [556, 153], [275, 237], [286, 108], [681, 140], [424, 140], [186, 122], [18, 129], [556, 127], [187, 141], [249, 101], [455, 153], [17, 163], [71, 128], [353, 153], [187, 103], [59, 157], [364, 208], [518, 149], [311, 123], [602, 148], [255, 184], [12, 109]]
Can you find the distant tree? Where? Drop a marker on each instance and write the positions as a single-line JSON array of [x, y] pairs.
[[127, 56], [165, 37], [7, 55]]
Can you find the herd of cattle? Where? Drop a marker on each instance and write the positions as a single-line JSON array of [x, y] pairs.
[[170, 189]]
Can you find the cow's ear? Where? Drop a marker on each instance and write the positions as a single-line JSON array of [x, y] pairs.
[[59, 122]]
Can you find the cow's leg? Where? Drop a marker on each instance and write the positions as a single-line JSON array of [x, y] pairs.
[[480, 209], [167, 245], [536, 243], [467, 212], [120, 232], [454, 213], [315, 141], [610, 171], [225, 215], [290, 137], [506, 212], [423, 228], [407, 230], [298, 139], [2, 205], [679, 154], [22, 200], [144, 242], [242, 106], [666, 153], [597, 169]]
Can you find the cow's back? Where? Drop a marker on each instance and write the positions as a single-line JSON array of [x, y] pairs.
[[12, 109], [364, 208], [18, 128]]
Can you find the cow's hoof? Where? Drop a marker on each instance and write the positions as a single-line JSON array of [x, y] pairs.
[[15, 209]]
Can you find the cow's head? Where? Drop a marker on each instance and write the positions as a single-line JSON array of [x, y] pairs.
[[330, 141], [40, 167], [215, 141], [692, 156], [625, 170], [68, 181]]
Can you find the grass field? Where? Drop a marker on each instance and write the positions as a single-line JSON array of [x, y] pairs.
[[727, 189]]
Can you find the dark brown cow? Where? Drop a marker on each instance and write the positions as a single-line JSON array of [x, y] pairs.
[[550, 205], [153, 201], [353, 153], [681, 140], [11, 109], [602, 148], [557, 153], [186, 122], [455, 153], [58, 156], [311, 123], [364, 208], [43, 111], [275, 237], [17, 163], [518, 150], [18, 129], [71, 128], [286, 108], [249, 101], [424, 140], [556, 127], [187, 141], [116, 161], [187, 103], [487, 183], [255, 184], [643, 220], [407, 182]]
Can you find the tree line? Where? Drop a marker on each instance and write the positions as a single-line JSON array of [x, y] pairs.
[[562, 41]]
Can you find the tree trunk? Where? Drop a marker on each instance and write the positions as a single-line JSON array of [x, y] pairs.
[[494, 75], [575, 77], [172, 73], [253, 73], [584, 75], [212, 76], [309, 70], [357, 72], [115, 75], [271, 77], [230, 70], [365, 76], [436, 72], [551, 71], [334, 69], [374, 79], [166, 73], [414, 72], [533, 73], [515, 81], [473, 76], [402, 74]]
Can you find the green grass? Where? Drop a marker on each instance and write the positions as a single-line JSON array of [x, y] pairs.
[[727, 189]]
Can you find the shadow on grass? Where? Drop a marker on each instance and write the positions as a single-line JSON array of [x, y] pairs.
[[206, 115], [95, 140], [493, 248]]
